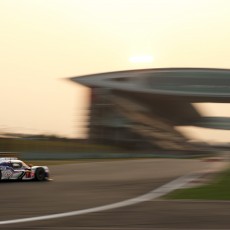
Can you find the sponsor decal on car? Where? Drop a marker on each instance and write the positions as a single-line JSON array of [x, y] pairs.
[[7, 173]]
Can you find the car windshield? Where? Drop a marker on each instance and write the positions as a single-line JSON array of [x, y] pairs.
[[17, 165]]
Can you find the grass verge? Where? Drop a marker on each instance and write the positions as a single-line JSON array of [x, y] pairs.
[[219, 189], [51, 162], [61, 162]]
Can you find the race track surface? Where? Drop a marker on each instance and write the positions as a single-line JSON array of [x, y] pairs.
[[87, 185]]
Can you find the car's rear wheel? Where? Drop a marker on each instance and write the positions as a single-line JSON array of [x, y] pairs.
[[40, 174], [0, 175]]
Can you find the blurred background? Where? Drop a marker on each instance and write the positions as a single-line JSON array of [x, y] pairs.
[[45, 42]]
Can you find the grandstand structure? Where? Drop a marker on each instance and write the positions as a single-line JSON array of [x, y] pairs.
[[141, 108]]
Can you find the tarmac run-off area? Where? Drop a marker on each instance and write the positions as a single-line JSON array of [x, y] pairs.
[[112, 195]]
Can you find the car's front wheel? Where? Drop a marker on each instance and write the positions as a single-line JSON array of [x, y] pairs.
[[0, 175], [40, 174]]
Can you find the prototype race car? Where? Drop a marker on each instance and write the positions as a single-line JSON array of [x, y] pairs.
[[14, 169]]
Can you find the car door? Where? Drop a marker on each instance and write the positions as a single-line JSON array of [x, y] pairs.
[[18, 170]]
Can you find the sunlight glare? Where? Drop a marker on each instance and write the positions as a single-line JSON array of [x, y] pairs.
[[141, 59]]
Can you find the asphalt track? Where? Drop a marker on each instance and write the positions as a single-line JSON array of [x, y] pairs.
[[88, 185]]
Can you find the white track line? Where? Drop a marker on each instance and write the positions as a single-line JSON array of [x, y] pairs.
[[162, 190]]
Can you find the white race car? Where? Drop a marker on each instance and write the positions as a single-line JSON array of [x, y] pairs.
[[14, 169]]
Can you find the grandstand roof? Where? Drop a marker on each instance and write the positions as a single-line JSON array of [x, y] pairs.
[[199, 83]]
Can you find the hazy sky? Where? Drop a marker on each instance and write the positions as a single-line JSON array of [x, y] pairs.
[[45, 41]]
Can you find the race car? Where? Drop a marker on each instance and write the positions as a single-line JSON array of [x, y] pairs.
[[14, 169]]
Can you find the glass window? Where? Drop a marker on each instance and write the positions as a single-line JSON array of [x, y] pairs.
[[17, 165]]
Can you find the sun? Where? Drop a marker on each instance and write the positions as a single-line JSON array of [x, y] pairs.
[[141, 59]]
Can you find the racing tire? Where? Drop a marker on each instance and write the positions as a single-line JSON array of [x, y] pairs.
[[0, 175], [40, 174]]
